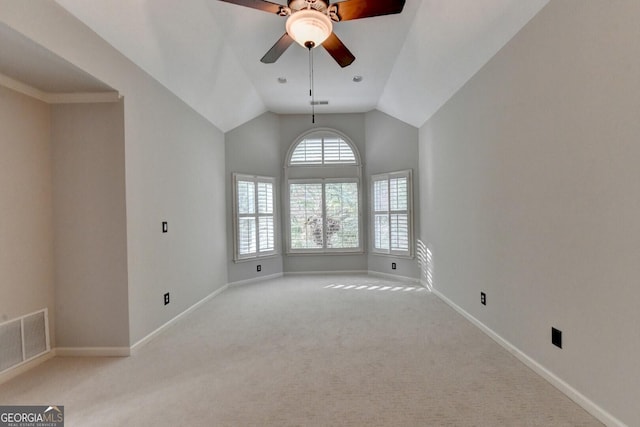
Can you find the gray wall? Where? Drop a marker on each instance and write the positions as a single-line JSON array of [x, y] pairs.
[[26, 234], [253, 148], [89, 220], [174, 172], [260, 147], [392, 146], [531, 195]]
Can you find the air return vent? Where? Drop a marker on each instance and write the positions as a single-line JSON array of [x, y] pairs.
[[23, 339]]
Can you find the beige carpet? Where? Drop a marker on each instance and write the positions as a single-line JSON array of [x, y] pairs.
[[306, 351]]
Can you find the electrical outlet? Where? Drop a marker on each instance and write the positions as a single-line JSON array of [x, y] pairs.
[[166, 298], [165, 227], [393, 265], [483, 298], [556, 337], [259, 267]]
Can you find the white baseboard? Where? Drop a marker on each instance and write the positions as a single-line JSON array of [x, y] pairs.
[[557, 382], [393, 276], [255, 279], [93, 351], [317, 273], [26, 366], [135, 347]]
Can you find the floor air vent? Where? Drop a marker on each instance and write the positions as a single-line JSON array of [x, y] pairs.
[[23, 339]]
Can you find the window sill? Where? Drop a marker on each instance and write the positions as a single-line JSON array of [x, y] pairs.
[[325, 253], [387, 255]]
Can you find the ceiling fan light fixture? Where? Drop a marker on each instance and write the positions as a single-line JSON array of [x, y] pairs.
[[309, 28]]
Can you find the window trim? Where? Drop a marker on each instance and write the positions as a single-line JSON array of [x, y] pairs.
[[323, 132], [408, 173], [331, 172], [237, 257]]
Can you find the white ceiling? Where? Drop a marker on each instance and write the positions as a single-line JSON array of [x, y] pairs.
[[208, 53]]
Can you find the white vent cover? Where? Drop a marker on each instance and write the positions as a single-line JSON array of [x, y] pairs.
[[23, 339]]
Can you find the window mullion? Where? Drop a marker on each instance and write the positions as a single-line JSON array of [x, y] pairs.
[[256, 216], [324, 210], [389, 232]]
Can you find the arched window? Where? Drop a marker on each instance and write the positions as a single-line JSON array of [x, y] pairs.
[[323, 150], [323, 174]]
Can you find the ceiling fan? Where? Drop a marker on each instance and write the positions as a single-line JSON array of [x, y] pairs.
[[310, 23]]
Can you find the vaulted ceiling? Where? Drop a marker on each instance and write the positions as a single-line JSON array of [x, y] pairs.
[[208, 53]]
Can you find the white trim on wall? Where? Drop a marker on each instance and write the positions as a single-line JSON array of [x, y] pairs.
[[93, 351], [26, 366], [255, 279], [82, 98], [394, 277], [58, 98], [333, 272]]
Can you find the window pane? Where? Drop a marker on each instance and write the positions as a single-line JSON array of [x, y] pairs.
[[342, 215], [399, 232], [266, 230], [265, 198], [308, 151], [381, 232], [246, 236], [398, 196], [246, 197], [305, 211], [381, 196]]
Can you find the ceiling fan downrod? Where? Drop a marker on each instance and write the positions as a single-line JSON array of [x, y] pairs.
[[309, 45]]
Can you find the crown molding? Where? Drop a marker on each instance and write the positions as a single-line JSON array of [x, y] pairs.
[[58, 98]]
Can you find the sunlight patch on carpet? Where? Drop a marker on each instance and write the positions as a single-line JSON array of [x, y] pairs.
[[373, 285]]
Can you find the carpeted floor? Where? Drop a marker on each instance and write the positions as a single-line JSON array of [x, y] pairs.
[[306, 351]]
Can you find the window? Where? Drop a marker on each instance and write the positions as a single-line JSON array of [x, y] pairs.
[[324, 215], [323, 150], [391, 213], [323, 190], [254, 216]]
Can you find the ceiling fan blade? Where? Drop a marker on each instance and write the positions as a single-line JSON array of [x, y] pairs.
[[277, 49], [338, 50], [356, 9], [263, 5]]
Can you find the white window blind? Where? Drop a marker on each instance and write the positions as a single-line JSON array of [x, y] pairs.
[[323, 151], [255, 226], [337, 151], [391, 213]]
